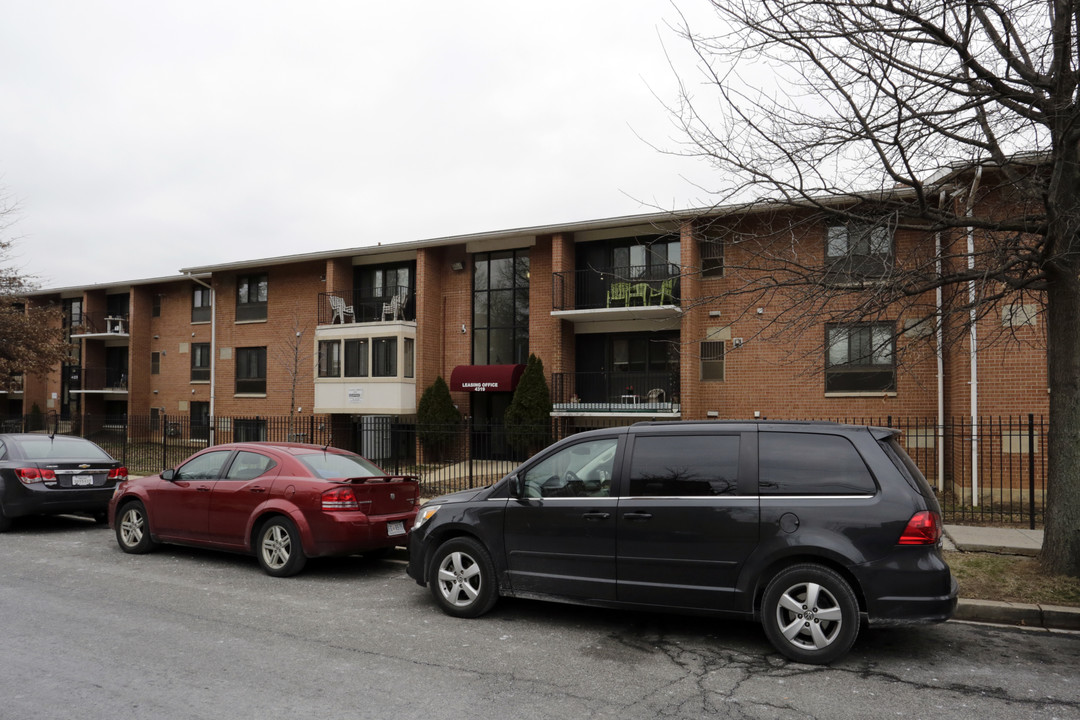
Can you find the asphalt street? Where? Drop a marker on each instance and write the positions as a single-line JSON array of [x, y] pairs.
[[89, 632]]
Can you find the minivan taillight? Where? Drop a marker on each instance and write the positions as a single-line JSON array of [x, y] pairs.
[[29, 476], [340, 499], [118, 474], [924, 528]]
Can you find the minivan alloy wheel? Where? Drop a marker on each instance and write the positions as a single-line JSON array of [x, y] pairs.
[[462, 578], [810, 614]]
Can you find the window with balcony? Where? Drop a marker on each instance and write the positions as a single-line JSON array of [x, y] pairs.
[[859, 250], [329, 358], [201, 304], [860, 358], [251, 371], [252, 295], [501, 308], [200, 362], [356, 358]]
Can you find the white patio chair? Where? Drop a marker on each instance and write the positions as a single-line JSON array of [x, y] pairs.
[[396, 306], [340, 309]]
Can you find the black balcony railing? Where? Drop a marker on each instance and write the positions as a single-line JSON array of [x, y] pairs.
[[101, 323], [617, 391], [596, 288], [396, 302], [99, 379]]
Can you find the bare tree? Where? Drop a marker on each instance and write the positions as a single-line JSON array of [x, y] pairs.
[[293, 353], [31, 337], [957, 119]]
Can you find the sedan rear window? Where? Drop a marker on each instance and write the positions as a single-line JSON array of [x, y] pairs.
[[61, 448], [337, 465]]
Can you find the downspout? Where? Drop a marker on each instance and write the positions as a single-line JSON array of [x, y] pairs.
[[213, 350], [974, 344], [940, 351]]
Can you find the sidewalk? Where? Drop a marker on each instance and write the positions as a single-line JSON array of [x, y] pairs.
[[1006, 541]]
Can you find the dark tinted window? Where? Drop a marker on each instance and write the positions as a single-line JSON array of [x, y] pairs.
[[811, 464], [60, 448], [685, 465]]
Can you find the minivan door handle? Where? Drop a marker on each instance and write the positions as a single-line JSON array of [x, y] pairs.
[[596, 515], [637, 516]]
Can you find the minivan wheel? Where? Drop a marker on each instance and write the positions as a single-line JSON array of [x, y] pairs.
[[462, 578], [278, 548], [810, 614]]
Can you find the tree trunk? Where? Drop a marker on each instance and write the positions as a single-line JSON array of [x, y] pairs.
[[1061, 547]]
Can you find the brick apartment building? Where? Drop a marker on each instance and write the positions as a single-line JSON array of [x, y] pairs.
[[628, 315]]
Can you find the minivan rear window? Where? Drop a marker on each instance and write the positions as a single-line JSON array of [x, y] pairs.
[[811, 464], [684, 465]]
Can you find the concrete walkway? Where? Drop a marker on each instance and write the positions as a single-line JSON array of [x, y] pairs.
[[1006, 541]]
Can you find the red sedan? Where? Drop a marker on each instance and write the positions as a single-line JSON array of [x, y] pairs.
[[282, 502]]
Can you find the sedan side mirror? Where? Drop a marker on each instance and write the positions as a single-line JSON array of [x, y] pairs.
[[169, 474]]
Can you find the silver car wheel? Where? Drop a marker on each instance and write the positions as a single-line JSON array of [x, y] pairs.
[[460, 579], [132, 526], [276, 547], [809, 616]]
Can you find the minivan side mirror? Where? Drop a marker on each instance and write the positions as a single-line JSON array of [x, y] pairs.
[[169, 474], [514, 486]]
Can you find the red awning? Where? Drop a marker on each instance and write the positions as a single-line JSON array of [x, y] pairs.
[[485, 378]]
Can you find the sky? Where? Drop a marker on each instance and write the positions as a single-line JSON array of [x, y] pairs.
[[138, 138]]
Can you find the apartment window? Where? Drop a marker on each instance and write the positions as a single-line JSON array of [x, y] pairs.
[[252, 292], [712, 360], [155, 308], [329, 358], [860, 358], [712, 249], [201, 304], [501, 308], [384, 357], [859, 249], [155, 363], [251, 370], [410, 357], [200, 362], [249, 430], [356, 358]]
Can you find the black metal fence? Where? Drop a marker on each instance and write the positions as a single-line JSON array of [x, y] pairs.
[[992, 470]]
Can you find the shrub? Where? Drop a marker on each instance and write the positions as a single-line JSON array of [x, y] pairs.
[[528, 419], [438, 422]]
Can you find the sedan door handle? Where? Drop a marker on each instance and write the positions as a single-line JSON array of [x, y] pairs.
[[257, 489], [203, 488], [637, 516], [596, 515]]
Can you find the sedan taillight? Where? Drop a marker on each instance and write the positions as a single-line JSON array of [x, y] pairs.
[[340, 499], [118, 474], [29, 476], [924, 528]]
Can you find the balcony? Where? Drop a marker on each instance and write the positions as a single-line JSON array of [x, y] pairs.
[[639, 292], [394, 304], [98, 380], [100, 325], [628, 393], [14, 386]]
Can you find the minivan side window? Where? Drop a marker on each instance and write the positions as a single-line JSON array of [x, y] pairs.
[[684, 466], [580, 470], [811, 464]]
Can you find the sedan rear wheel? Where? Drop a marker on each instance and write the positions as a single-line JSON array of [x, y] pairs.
[[278, 548], [462, 578], [810, 614], [133, 530]]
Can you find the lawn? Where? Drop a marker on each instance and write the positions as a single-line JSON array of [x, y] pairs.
[[1010, 578]]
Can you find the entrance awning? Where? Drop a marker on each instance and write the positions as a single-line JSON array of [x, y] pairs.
[[485, 378]]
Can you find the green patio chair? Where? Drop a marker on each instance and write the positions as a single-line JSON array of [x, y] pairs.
[[667, 289], [618, 292]]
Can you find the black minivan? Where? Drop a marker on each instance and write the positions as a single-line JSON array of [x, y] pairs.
[[811, 528]]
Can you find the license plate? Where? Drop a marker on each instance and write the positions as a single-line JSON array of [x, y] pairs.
[[82, 480], [395, 528]]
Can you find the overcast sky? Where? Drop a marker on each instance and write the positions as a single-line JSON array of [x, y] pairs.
[[142, 137]]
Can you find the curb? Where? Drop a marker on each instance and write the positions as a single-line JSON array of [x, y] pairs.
[[1049, 617]]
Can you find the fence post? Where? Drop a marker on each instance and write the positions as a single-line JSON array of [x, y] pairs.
[[164, 442], [469, 445], [1031, 469]]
